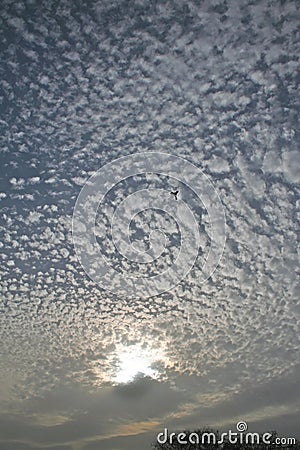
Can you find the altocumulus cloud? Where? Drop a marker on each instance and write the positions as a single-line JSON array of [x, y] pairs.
[[214, 82]]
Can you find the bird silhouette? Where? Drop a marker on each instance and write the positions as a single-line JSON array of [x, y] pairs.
[[175, 194]]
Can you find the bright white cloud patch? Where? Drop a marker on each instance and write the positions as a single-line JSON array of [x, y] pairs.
[[132, 362]]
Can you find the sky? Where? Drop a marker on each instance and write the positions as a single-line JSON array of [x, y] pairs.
[[124, 310]]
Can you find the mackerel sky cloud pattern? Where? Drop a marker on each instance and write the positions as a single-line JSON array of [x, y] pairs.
[[84, 84]]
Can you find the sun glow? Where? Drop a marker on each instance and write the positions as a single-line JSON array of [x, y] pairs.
[[134, 361]]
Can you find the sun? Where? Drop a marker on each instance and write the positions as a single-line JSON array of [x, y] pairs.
[[132, 362]]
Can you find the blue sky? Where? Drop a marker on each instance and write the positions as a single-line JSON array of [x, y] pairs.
[[86, 83]]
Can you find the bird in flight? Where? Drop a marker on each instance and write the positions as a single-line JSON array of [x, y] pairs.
[[175, 194]]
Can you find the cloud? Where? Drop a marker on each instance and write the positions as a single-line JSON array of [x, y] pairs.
[[213, 83]]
